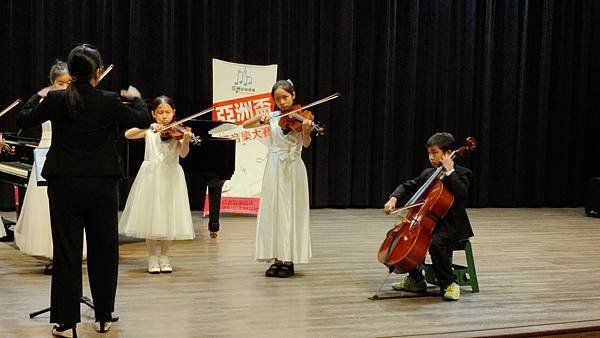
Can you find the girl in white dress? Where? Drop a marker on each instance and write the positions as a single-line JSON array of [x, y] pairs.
[[282, 229], [33, 234], [157, 208]]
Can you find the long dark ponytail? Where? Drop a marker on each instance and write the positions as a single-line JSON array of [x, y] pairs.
[[83, 61]]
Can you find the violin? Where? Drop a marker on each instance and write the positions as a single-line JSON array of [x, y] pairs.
[[293, 121], [180, 130], [176, 132], [295, 115]]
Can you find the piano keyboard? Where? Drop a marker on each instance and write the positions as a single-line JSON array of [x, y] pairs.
[[16, 168]]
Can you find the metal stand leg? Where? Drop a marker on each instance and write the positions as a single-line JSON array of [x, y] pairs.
[[84, 300]]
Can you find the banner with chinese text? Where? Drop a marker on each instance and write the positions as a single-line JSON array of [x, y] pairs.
[[241, 91]]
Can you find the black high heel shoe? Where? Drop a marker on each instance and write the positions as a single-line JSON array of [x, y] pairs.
[[65, 330]]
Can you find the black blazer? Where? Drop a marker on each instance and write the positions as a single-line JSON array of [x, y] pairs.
[[35, 131], [458, 183], [85, 145]]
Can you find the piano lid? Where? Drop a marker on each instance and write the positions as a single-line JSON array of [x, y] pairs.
[[202, 127]]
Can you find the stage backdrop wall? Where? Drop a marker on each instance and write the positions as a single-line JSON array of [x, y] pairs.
[[521, 76]]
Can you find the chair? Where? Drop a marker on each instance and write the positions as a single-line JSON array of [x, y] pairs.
[[465, 275]]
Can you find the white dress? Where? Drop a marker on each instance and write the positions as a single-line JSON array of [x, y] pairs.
[[157, 206], [282, 229], [33, 234]]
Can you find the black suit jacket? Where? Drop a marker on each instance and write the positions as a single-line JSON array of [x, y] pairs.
[[457, 220], [85, 145]]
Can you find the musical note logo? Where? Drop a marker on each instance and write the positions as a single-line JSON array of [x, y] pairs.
[[243, 78]]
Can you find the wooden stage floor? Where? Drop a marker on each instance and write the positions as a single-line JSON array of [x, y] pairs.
[[538, 270]]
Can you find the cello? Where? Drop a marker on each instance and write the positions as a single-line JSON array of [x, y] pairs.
[[407, 243]]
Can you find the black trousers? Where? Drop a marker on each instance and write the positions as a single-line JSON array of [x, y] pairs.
[[440, 252], [215, 187], [77, 203]]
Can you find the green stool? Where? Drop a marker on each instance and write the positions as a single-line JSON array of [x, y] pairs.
[[465, 275]]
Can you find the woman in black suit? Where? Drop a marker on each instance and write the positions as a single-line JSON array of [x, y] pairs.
[[83, 169]]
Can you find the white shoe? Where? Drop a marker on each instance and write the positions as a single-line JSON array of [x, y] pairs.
[[165, 264], [410, 284], [102, 328], [153, 266], [452, 292]]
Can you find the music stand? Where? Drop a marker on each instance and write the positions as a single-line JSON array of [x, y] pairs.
[[83, 300]]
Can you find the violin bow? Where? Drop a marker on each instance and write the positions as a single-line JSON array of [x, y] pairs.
[[106, 71], [312, 104], [178, 122], [10, 106]]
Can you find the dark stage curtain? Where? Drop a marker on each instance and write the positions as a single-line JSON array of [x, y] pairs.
[[521, 76]]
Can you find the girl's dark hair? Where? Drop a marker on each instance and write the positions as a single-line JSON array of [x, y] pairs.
[[58, 68], [444, 141], [162, 99], [287, 85], [83, 61]]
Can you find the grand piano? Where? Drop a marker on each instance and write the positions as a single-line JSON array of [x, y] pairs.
[[15, 170], [208, 164]]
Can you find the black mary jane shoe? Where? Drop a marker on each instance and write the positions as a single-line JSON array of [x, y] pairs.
[[286, 270], [64, 331], [273, 270]]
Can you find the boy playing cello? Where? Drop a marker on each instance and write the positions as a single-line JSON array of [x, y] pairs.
[[451, 229]]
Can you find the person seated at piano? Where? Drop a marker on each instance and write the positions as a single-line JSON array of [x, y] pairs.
[[282, 226], [33, 234], [448, 231], [147, 214]]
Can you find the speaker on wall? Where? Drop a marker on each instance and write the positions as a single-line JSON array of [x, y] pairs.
[[592, 197]]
